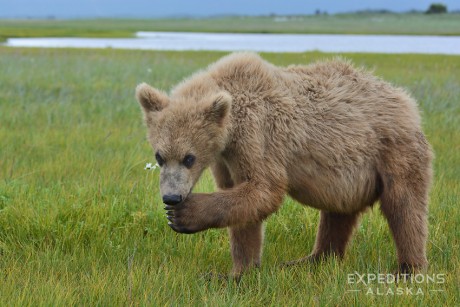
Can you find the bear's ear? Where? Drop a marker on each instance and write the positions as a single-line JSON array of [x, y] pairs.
[[219, 108], [151, 99]]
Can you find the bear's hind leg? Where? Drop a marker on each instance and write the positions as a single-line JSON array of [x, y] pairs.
[[406, 174], [246, 247], [406, 210], [334, 233]]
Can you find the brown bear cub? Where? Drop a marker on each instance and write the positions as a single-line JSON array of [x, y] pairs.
[[333, 137]]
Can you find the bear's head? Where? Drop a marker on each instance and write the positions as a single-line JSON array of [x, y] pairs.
[[186, 135]]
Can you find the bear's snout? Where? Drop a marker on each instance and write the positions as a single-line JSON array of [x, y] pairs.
[[172, 199]]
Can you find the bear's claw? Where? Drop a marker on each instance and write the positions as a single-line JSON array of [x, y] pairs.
[[187, 217], [171, 215], [173, 227], [179, 229]]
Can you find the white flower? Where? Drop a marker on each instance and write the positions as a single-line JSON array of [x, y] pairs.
[[150, 166]]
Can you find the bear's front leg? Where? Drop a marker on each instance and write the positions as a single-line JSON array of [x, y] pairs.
[[247, 203], [246, 247]]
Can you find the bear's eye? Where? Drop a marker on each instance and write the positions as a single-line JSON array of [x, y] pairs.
[[188, 161], [159, 159]]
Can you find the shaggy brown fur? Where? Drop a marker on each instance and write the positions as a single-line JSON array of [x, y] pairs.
[[333, 137]]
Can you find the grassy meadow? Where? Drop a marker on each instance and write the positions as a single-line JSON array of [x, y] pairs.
[[81, 221], [413, 24]]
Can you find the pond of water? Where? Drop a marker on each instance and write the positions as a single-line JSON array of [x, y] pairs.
[[257, 42]]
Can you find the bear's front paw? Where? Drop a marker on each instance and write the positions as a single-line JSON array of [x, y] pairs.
[[192, 215]]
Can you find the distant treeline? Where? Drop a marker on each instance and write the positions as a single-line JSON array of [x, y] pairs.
[[434, 8]]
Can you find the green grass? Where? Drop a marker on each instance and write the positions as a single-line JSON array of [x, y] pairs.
[[413, 24], [81, 222]]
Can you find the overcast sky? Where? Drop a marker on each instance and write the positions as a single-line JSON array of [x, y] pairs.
[[172, 8]]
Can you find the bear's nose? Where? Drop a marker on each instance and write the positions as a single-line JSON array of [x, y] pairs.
[[172, 199]]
